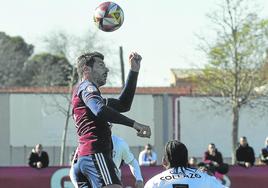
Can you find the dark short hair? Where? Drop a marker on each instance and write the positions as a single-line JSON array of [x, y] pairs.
[[148, 146], [87, 59], [176, 154], [212, 144]]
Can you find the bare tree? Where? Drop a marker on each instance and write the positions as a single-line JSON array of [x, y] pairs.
[[236, 58]]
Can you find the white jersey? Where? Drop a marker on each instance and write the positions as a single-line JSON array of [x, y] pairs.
[[145, 160], [183, 178], [121, 151]]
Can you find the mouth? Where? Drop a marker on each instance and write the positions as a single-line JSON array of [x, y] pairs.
[[105, 75]]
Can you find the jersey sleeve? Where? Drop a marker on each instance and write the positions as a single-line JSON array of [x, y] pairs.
[[93, 100], [124, 101], [127, 154]]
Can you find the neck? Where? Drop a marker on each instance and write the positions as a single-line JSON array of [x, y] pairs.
[[90, 80], [212, 153]]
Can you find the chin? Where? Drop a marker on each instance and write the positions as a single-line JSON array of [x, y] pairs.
[[102, 83]]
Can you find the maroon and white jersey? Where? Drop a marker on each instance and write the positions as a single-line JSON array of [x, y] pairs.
[[94, 135]]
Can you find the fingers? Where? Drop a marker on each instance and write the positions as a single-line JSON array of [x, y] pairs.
[[131, 55], [144, 132], [135, 55]]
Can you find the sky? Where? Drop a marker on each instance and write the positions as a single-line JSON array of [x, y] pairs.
[[162, 31]]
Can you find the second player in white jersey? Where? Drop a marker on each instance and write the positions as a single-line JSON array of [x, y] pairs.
[[121, 152], [178, 174], [182, 177]]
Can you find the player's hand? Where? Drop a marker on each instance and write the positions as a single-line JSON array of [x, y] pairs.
[[39, 164], [143, 130], [247, 164], [134, 61], [215, 163], [139, 184], [153, 163]]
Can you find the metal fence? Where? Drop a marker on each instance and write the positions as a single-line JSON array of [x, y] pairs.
[[19, 155]]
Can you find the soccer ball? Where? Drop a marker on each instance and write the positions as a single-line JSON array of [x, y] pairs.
[[108, 16]]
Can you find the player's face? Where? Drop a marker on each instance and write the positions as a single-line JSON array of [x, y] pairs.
[[149, 151], [192, 162], [243, 142], [99, 72], [211, 148], [38, 148]]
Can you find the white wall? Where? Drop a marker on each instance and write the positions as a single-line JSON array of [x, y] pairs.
[[201, 124], [34, 118], [142, 111]]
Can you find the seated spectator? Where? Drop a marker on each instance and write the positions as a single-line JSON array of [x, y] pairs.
[[147, 157], [213, 157], [245, 154], [38, 158], [264, 153], [192, 162]]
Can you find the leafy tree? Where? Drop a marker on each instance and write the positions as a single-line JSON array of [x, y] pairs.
[[14, 51], [47, 70], [236, 58]]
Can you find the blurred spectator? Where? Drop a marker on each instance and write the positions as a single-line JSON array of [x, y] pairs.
[[244, 153], [213, 157], [147, 157], [264, 153], [38, 158], [192, 162]]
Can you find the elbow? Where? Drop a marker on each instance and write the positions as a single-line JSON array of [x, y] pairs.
[[125, 108], [101, 113]]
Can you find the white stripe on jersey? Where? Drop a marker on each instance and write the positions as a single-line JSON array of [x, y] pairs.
[[103, 174], [106, 169]]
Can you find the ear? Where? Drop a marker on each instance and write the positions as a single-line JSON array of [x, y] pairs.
[[87, 69], [165, 163]]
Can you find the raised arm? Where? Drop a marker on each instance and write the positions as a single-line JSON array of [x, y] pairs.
[[129, 159], [104, 113], [123, 103]]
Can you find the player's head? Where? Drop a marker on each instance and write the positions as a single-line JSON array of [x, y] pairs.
[[243, 141], [175, 155], [211, 148], [38, 148], [192, 162], [92, 67], [148, 148]]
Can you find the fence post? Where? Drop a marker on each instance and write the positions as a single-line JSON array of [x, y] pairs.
[[25, 153], [54, 155], [10, 156]]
